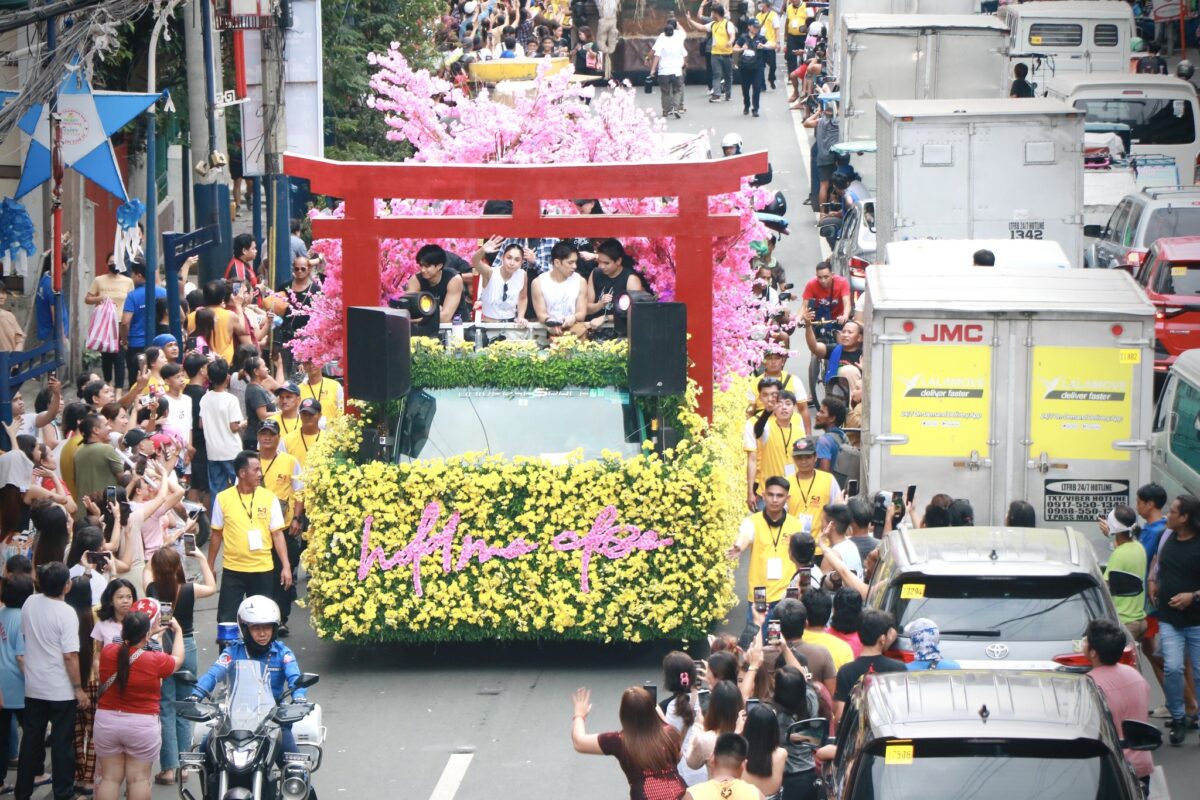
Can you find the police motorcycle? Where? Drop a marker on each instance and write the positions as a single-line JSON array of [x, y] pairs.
[[241, 757]]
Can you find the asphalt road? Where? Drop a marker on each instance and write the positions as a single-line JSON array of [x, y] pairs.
[[486, 721]]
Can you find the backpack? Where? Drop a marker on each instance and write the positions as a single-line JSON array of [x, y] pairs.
[[848, 462]]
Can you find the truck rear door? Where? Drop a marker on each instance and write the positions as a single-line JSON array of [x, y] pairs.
[[935, 427], [1085, 413]]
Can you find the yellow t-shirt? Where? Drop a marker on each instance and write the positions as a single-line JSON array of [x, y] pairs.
[[112, 286], [328, 394], [767, 21], [722, 41], [807, 499], [789, 385], [66, 464], [278, 474], [771, 542], [222, 343], [286, 426], [841, 652], [797, 19], [775, 450], [729, 789], [298, 445], [237, 516]]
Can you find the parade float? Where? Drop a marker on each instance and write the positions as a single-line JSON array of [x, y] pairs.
[[590, 530]]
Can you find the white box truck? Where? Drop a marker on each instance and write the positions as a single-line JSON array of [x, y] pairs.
[[1061, 36], [996, 384], [980, 169], [839, 9]]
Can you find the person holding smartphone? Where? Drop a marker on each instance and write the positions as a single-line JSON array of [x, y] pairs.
[[768, 533], [167, 582]]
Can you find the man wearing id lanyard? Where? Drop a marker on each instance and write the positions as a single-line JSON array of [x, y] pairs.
[[809, 488], [247, 520], [774, 445], [768, 534], [299, 443]]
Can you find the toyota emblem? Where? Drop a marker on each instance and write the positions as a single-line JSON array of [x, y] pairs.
[[996, 651]]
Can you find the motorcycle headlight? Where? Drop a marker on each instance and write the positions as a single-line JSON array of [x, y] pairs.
[[240, 756]]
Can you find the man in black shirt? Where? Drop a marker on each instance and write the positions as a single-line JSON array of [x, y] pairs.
[[1153, 64], [877, 631], [1021, 87], [1175, 592]]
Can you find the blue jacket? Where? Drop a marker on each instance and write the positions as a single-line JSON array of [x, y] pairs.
[[281, 668]]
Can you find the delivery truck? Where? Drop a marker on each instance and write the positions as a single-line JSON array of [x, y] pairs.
[[980, 169], [996, 384], [840, 9], [1060, 36]]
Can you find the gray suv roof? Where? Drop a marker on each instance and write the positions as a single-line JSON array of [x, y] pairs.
[[944, 704], [993, 550]]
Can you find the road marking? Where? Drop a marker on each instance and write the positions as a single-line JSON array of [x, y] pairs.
[[452, 776]]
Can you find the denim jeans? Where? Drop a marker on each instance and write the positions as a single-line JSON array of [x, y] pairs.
[[722, 76], [1174, 641], [176, 731], [220, 477]]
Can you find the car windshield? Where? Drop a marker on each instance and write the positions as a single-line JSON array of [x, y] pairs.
[[1179, 278], [249, 694], [992, 769], [1151, 120], [1028, 609], [1170, 222], [521, 422]]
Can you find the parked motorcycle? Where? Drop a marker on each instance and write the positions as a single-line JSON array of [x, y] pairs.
[[242, 757]]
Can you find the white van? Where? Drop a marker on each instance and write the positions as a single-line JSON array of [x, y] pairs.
[[1159, 112], [1175, 459], [952, 253], [1069, 36]]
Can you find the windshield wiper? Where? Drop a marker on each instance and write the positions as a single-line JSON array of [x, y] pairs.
[[993, 634]]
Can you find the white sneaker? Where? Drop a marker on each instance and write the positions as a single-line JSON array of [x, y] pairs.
[[1160, 713]]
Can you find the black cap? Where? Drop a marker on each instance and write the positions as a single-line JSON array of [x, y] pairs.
[[310, 405], [268, 426], [804, 447]]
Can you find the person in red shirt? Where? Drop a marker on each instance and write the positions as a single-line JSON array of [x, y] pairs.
[[831, 293], [241, 267], [646, 747], [127, 733]]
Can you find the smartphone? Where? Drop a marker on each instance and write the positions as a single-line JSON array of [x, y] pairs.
[[141, 361], [852, 487], [189, 543], [774, 634], [792, 592], [760, 599], [652, 689], [110, 494], [165, 612], [911, 494], [898, 502], [98, 558]]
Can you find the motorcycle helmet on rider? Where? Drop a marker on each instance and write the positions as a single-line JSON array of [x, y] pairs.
[[258, 610], [1185, 70], [731, 145]]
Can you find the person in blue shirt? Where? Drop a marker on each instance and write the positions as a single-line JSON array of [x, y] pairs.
[[831, 416], [1151, 500], [133, 318], [925, 638], [45, 304]]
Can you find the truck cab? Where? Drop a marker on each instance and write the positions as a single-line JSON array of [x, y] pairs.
[[1064, 36]]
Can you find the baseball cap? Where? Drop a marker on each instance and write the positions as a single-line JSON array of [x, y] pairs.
[[290, 388], [804, 447], [311, 405], [268, 426], [134, 437], [161, 440]]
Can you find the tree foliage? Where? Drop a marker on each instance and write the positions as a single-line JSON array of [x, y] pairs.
[[353, 29]]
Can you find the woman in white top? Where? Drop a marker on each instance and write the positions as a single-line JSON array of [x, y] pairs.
[[502, 287], [682, 709]]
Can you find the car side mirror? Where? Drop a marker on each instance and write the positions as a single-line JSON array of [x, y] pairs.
[[1094, 231], [1140, 736], [1124, 584], [307, 679]]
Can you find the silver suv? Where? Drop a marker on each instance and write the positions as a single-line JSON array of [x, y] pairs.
[[1140, 220], [1003, 598], [946, 735]]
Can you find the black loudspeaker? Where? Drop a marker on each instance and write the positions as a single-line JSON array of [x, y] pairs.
[[379, 353], [657, 349]]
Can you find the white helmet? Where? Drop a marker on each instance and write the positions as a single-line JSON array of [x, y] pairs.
[[732, 140], [258, 610]]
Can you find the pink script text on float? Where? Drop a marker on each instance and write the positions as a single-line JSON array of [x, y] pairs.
[[605, 538]]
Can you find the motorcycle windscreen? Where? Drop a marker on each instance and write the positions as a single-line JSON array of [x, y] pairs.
[[249, 694]]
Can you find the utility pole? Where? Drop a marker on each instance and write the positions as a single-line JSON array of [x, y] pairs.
[[151, 244], [206, 132], [274, 144]]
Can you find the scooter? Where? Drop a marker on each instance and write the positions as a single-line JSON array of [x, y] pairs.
[[242, 757]]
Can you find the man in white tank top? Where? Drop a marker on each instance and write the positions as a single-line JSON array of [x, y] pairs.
[[560, 295]]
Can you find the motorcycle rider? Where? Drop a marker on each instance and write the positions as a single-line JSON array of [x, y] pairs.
[[731, 145], [258, 618]]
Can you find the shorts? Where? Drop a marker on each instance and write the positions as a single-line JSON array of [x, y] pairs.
[[117, 733], [825, 172]]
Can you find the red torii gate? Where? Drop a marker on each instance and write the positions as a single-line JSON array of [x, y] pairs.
[[360, 184]]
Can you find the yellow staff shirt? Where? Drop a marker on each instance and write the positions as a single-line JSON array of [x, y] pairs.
[[767, 22], [722, 41], [775, 450], [769, 562], [246, 522], [328, 393], [286, 426], [298, 444], [281, 476], [797, 19], [807, 499]]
